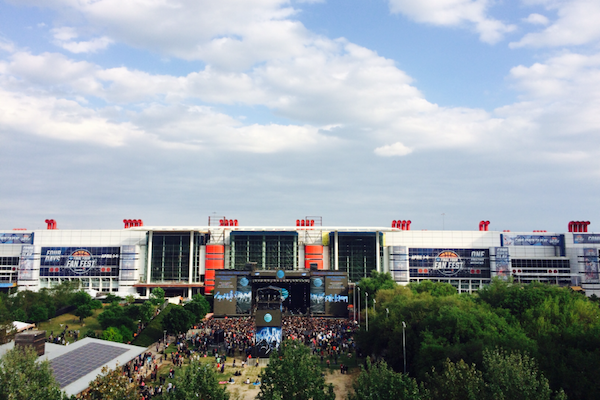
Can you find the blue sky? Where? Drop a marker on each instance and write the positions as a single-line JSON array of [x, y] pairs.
[[267, 111]]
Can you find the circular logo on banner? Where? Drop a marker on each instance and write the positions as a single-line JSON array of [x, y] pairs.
[[284, 294], [448, 263], [280, 274], [268, 318], [80, 261], [318, 282], [244, 281]]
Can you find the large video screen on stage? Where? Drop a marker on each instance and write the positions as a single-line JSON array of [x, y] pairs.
[[232, 294], [268, 339], [80, 261]]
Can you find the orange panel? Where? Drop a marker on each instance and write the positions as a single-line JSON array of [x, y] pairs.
[[210, 274], [313, 249], [215, 264], [215, 249]]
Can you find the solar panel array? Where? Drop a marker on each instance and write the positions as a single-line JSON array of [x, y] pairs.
[[74, 365]]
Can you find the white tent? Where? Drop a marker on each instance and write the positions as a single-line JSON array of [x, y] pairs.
[[22, 326]]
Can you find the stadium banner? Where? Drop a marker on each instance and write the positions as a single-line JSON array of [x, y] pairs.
[[16, 238], [399, 263], [26, 264], [586, 238], [243, 295], [80, 261], [502, 263], [268, 339], [317, 295], [590, 259], [128, 257], [336, 295], [463, 263], [224, 294], [531, 240]]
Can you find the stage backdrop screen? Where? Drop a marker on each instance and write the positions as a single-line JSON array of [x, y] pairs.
[[268, 339], [336, 295], [224, 294]]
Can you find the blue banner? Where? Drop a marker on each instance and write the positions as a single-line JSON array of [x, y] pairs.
[[531, 240], [590, 259], [465, 263], [502, 262], [586, 238], [16, 238], [80, 261]]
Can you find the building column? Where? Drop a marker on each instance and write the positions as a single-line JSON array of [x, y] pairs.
[[149, 260], [336, 252], [378, 258]]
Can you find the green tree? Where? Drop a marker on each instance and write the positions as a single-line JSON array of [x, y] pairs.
[[293, 373], [374, 283], [514, 376], [157, 296], [23, 378], [129, 299], [199, 380], [111, 385], [114, 315], [198, 306], [380, 382], [457, 381], [146, 312], [178, 320], [436, 289], [81, 298], [113, 334], [83, 311], [37, 313]]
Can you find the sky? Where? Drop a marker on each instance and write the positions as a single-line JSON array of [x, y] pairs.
[[359, 112]]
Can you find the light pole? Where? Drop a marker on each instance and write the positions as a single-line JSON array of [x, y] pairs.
[[358, 304], [367, 308], [404, 344], [165, 339], [354, 301], [387, 310]]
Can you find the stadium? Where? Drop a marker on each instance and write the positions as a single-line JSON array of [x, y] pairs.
[[316, 266]]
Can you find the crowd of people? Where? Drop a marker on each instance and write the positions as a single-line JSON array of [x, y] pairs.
[[233, 338]]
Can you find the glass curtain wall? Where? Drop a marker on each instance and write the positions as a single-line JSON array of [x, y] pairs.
[[358, 254], [170, 256], [276, 250]]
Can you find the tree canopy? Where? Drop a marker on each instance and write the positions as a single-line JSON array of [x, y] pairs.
[[198, 380], [294, 373]]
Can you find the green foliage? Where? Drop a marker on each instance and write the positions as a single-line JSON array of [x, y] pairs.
[[19, 315], [178, 320], [83, 311], [114, 315], [154, 330], [157, 296], [129, 299], [95, 304], [146, 312], [380, 382], [293, 373], [376, 282], [457, 381], [111, 385], [23, 378], [81, 298], [436, 289], [199, 307], [111, 298], [37, 313], [113, 334], [199, 380], [514, 376]]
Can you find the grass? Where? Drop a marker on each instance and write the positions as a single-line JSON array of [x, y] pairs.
[[58, 324]]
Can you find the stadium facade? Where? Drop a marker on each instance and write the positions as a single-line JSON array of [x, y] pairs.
[[217, 257]]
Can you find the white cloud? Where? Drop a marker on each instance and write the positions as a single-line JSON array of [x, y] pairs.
[[6, 45], [396, 149], [472, 13], [63, 37], [577, 24], [537, 19]]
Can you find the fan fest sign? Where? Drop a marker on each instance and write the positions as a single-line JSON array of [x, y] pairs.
[[80, 261], [450, 262]]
